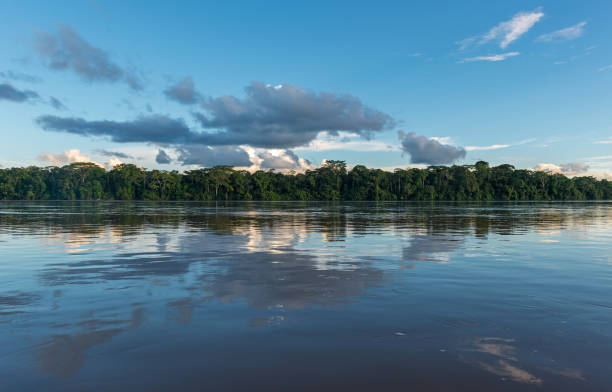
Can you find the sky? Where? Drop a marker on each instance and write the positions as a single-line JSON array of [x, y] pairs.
[[276, 85]]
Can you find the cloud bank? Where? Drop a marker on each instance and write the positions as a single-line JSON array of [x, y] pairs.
[[67, 50], [428, 150], [285, 116], [270, 117], [273, 117]]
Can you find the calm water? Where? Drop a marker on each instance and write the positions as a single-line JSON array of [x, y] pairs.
[[290, 296]]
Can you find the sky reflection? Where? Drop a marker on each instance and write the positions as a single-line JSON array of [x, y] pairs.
[[511, 294]]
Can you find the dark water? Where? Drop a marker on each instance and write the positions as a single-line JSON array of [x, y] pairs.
[[290, 296]]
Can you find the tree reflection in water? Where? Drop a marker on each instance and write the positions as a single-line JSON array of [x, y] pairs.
[[110, 276]]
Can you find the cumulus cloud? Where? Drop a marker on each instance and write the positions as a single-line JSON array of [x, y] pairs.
[[568, 169], [269, 117], [65, 158], [243, 157], [285, 116], [282, 160], [67, 50], [493, 57], [73, 156], [19, 76], [155, 129], [213, 156], [162, 158], [428, 150], [112, 162], [10, 93], [183, 92], [566, 34]]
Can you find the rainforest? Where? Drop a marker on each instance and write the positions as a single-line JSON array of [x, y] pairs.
[[331, 182]]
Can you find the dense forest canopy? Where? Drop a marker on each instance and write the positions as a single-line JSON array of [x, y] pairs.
[[332, 181]]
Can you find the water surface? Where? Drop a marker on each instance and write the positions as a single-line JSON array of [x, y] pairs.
[[305, 296]]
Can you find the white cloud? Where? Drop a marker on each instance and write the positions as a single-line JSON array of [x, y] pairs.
[[443, 139], [277, 159], [565, 34], [345, 141], [73, 156], [351, 145], [607, 67], [525, 141], [495, 57], [113, 161], [498, 146], [605, 141], [280, 160], [403, 167], [600, 158], [568, 169], [511, 30], [486, 148], [466, 43], [65, 158], [601, 166]]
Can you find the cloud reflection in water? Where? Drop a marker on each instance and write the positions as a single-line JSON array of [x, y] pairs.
[[276, 273]]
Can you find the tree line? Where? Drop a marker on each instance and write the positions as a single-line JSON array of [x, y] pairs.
[[332, 181]]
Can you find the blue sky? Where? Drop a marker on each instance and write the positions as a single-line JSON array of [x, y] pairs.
[[278, 85]]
